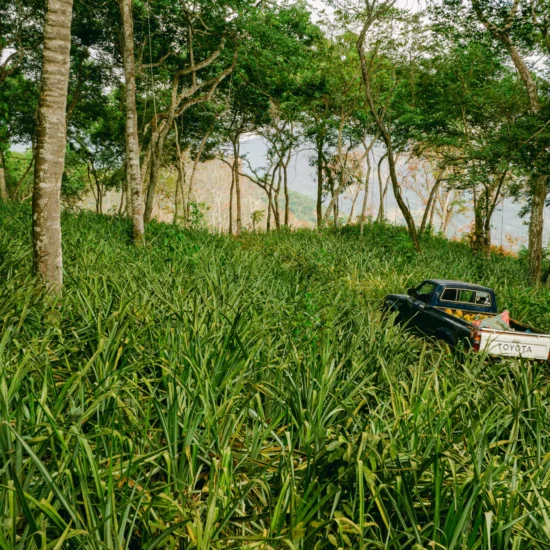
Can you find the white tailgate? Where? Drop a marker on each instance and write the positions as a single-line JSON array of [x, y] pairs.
[[515, 344]]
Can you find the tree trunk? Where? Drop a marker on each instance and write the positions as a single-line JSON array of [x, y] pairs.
[[536, 226], [133, 175], [231, 201], [352, 210], [432, 211], [320, 143], [276, 211], [51, 143], [268, 220], [365, 197], [180, 168], [128, 193], [176, 200], [3, 186], [22, 179], [409, 220], [236, 158], [429, 204], [121, 204], [198, 156], [380, 217], [153, 178], [287, 195]]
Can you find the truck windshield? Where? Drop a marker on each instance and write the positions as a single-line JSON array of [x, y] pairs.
[[424, 292]]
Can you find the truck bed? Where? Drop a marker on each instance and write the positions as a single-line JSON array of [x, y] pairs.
[[520, 341]]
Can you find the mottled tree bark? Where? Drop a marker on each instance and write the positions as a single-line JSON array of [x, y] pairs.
[[133, 175], [51, 142], [3, 186]]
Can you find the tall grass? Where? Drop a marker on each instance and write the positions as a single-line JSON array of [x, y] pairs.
[[207, 392]]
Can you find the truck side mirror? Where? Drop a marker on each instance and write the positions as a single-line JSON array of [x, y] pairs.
[[412, 292]]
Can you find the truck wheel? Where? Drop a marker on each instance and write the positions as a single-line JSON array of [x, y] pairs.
[[445, 345], [445, 340], [388, 309]]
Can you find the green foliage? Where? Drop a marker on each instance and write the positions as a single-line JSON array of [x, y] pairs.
[[73, 184], [212, 392], [19, 177]]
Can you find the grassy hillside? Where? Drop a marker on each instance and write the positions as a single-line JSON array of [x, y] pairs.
[[207, 392]]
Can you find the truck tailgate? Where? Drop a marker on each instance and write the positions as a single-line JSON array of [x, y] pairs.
[[515, 344]]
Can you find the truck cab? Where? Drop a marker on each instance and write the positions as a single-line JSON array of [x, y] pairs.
[[455, 295]]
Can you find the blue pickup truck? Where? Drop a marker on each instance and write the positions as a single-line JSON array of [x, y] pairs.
[[457, 312]]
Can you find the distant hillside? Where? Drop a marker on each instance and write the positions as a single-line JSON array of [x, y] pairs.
[[212, 186]]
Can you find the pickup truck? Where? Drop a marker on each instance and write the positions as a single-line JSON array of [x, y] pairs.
[[454, 312]]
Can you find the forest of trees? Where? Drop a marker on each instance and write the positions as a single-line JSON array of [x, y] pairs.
[[105, 96]]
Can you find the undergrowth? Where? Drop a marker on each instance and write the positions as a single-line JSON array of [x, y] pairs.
[[209, 392]]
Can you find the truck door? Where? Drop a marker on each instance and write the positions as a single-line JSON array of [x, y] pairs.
[[422, 318]]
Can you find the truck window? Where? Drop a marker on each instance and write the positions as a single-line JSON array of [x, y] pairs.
[[466, 296], [424, 292], [483, 299]]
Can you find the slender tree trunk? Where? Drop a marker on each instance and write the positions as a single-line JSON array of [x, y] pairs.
[[276, 211], [51, 142], [381, 214], [287, 195], [196, 162], [154, 169], [365, 197], [409, 220], [98, 194], [352, 210], [179, 169], [431, 199], [180, 183], [432, 211], [536, 226], [320, 143], [271, 209], [236, 158], [176, 200], [19, 184], [133, 174], [268, 219], [121, 204], [3, 186], [231, 190], [153, 178], [128, 199], [445, 213]]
